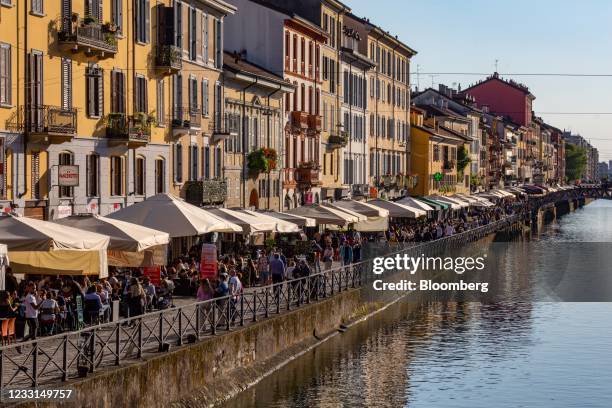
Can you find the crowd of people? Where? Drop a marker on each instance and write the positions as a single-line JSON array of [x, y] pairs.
[[46, 304]]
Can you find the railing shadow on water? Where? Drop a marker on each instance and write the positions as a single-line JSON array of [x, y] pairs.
[[58, 358]]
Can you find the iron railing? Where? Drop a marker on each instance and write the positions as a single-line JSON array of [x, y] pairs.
[[44, 119], [51, 360]]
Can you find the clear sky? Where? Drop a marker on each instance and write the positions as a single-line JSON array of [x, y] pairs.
[[526, 36]]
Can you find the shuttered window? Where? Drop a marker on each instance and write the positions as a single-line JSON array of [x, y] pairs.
[[117, 14], [178, 163], [117, 91], [204, 97], [93, 8], [66, 158], [37, 7], [160, 172], [34, 85], [192, 34], [66, 15], [5, 74], [218, 103], [93, 167], [143, 21], [161, 108], [94, 77], [117, 175], [66, 83], [140, 94], [205, 37], [178, 16], [139, 176], [193, 94]]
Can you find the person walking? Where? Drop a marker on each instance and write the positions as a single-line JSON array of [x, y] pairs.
[[31, 312]]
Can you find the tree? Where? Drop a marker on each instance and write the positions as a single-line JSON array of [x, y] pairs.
[[575, 162], [463, 159]]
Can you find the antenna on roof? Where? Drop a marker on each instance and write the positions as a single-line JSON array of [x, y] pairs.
[[418, 75], [496, 65]]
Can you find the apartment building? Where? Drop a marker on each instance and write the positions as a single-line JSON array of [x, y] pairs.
[[190, 42], [280, 41], [388, 107], [90, 122], [254, 118]]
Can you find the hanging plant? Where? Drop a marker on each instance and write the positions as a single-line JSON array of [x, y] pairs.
[[261, 160]]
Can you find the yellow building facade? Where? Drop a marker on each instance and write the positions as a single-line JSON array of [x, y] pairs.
[[87, 123]]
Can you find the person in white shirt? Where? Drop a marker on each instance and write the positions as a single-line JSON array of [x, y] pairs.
[[449, 230], [31, 312], [235, 290]]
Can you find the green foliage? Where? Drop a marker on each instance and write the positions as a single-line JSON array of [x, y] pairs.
[[575, 162], [463, 159], [475, 180], [261, 161]]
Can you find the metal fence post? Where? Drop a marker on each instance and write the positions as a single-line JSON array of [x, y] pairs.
[[140, 337], [255, 305], [35, 365], [118, 344], [180, 329], [65, 358], [92, 350], [228, 312], [214, 318], [241, 310], [267, 305]]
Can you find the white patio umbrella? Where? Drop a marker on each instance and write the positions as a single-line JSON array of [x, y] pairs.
[[130, 244], [282, 226], [43, 247], [170, 214], [295, 219], [4, 262]]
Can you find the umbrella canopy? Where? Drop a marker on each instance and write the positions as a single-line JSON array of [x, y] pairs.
[[249, 223], [363, 208], [481, 200], [165, 212], [37, 246], [455, 204], [438, 205], [124, 236], [281, 225], [397, 210], [321, 214], [413, 202], [295, 219], [349, 215]]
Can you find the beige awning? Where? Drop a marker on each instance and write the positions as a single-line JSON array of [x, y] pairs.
[[170, 214], [295, 219], [323, 215], [249, 223], [397, 210], [282, 226], [43, 247]]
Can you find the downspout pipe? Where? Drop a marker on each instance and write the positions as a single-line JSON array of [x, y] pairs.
[[269, 142], [244, 141]]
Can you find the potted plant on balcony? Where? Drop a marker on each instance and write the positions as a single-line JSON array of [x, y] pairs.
[[311, 164], [88, 20], [110, 38], [261, 161], [109, 27]]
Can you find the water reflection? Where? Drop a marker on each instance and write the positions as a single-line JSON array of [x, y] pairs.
[[468, 354]]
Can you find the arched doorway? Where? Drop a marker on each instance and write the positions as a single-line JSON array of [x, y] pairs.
[[254, 199]]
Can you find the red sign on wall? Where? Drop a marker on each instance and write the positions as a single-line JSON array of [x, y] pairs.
[[208, 261]]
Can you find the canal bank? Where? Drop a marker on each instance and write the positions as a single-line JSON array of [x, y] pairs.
[[220, 366], [460, 354]]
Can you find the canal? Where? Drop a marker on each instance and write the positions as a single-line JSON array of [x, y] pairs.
[[547, 343]]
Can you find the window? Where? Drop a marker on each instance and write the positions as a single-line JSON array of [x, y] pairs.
[[303, 98], [94, 77], [66, 83], [204, 97], [5, 74], [117, 14], [325, 68], [139, 176], [143, 21], [93, 8], [193, 94], [140, 94], [6, 2], [161, 108], [218, 162], [218, 104], [65, 158], [205, 38], [295, 52], [206, 161], [218, 44], [178, 163], [35, 79], [117, 173], [192, 34], [37, 7], [117, 91], [92, 170], [160, 179], [178, 23], [35, 175], [193, 163]]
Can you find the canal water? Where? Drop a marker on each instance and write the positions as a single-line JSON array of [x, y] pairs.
[[538, 352]]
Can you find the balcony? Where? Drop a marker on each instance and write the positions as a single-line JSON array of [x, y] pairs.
[[168, 59], [339, 140], [44, 123], [314, 122], [185, 121], [299, 120], [289, 178], [88, 36], [307, 177], [361, 190], [133, 131], [449, 165], [206, 192], [223, 129]]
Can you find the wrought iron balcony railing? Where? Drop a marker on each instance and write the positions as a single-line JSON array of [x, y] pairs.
[[89, 36], [44, 119], [131, 129]]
